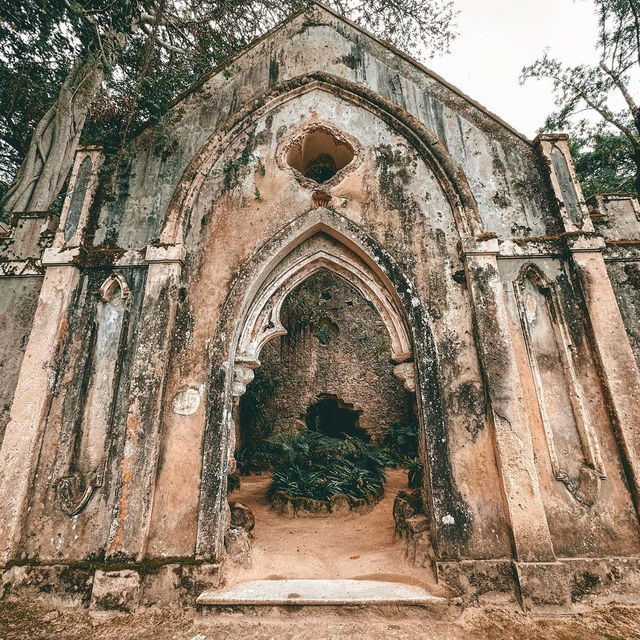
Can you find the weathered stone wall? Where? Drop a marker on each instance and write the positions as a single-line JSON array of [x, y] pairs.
[[502, 168], [18, 300], [617, 218], [249, 198], [585, 514], [336, 344], [625, 278], [487, 275], [50, 533]]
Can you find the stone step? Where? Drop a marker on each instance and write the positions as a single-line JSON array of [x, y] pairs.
[[327, 596]]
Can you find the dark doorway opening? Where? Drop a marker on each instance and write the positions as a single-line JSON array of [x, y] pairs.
[[335, 418]]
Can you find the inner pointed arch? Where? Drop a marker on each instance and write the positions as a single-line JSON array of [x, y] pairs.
[[318, 251]]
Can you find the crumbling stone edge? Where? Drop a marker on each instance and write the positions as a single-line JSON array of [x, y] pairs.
[[112, 588], [537, 587]]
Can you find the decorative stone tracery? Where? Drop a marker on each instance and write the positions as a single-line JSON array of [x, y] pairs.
[[262, 322]]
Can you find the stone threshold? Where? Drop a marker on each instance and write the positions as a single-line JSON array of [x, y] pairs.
[[277, 593]]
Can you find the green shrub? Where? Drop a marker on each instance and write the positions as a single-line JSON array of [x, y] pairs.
[[401, 442], [308, 464], [253, 458], [416, 473]]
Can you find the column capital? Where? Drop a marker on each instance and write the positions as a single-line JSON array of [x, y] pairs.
[[584, 242], [485, 244], [58, 257], [165, 253]]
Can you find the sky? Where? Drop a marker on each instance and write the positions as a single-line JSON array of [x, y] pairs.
[[498, 37]]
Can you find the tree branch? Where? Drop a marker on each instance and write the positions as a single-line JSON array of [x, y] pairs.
[[617, 80]]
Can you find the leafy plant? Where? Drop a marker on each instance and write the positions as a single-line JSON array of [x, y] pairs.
[[416, 473], [401, 442], [310, 465], [256, 415]]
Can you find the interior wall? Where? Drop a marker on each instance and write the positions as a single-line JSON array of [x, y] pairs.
[[336, 344]]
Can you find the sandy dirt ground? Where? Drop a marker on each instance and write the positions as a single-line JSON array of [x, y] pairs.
[[22, 621], [357, 546], [349, 547]]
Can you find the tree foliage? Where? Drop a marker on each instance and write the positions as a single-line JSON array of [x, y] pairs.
[[610, 90], [118, 65], [604, 163]]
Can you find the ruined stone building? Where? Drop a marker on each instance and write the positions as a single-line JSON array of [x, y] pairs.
[[464, 280]]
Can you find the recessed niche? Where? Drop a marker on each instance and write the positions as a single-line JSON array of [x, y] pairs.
[[319, 155], [335, 418]]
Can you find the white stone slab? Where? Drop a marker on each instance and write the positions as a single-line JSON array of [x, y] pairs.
[[318, 592]]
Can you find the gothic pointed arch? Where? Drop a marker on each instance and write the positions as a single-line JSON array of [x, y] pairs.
[[450, 176], [323, 239]]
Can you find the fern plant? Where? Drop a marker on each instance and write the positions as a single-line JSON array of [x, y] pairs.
[[311, 465]]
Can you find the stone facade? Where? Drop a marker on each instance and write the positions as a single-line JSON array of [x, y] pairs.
[[130, 333]]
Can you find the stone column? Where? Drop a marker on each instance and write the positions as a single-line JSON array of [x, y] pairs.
[[513, 444], [137, 472], [32, 397], [215, 466], [617, 364]]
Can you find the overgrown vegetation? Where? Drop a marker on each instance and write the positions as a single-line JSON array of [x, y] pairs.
[[415, 473], [310, 465], [401, 443], [118, 65], [608, 138], [257, 420]]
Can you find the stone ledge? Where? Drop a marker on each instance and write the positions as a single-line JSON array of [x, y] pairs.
[[340, 503], [145, 584], [544, 586]]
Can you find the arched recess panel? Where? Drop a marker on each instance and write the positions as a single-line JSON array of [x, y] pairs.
[[582, 481], [71, 506], [88, 464], [573, 446]]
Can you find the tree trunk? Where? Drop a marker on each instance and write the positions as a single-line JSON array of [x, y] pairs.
[[55, 139]]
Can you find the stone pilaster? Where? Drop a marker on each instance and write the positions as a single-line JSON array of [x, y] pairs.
[[32, 398], [137, 472], [514, 448], [617, 364]]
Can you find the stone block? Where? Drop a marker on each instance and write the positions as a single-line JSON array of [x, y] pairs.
[[161, 586], [57, 584], [417, 524], [543, 585], [310, 508], [604, 580], [238, 544], [115, 591], [241, 516], [196, 578], [339, 503], [479, 581]]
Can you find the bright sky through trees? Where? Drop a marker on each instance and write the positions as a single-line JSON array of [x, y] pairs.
[[498, 37]]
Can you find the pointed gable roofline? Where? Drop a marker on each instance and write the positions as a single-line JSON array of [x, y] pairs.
[[320, 8]]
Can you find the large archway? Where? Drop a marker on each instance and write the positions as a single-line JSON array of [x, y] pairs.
[[324, 240], [325, 385]]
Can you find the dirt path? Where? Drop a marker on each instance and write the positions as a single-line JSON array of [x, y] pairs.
[[34, 621], [350, 546]]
